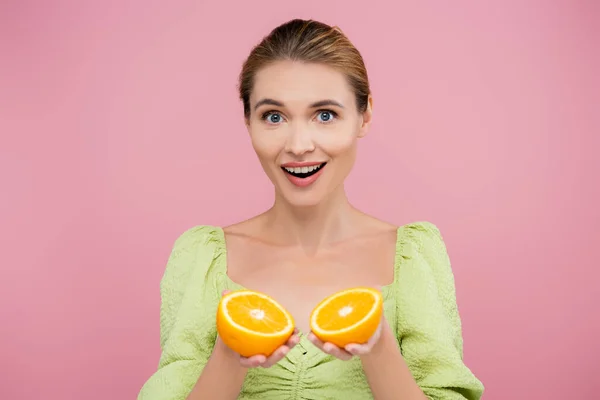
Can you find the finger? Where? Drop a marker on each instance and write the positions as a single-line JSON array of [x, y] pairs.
[[337, 352], [294, 338], [357, 349], [315, 340], [330, 348], [293, 341], [224, 292], [253, 362], [276, 357]]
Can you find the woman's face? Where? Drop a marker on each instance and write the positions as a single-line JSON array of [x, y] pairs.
[[304, 126]]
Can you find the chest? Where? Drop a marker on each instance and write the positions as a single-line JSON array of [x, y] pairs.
[[300, 281]]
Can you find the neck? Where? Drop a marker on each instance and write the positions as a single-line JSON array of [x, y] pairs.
[[312, 226]]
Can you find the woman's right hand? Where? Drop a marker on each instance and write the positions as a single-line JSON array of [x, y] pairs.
[[260, 360]]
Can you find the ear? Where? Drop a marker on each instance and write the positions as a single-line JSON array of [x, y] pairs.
[[367, 117]]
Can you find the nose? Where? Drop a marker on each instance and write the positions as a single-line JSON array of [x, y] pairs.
[[299, 141]]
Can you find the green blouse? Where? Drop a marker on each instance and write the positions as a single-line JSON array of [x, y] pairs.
[[420, 304]]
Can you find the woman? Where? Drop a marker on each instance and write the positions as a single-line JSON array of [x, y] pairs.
[[306, 102]]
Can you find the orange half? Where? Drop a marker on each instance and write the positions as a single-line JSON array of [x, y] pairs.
[[348, 316], [252, 323]]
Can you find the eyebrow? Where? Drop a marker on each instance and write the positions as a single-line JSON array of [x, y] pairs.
[[321, 103]]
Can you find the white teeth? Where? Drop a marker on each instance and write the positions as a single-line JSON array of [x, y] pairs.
[[303, 170]]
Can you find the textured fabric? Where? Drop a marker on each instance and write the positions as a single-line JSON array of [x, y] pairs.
[[420, 303]]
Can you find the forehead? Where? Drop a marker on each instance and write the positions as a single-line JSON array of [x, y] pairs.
[[297, 82]]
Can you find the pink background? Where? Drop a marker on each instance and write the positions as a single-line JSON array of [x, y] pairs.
[[120, 128]]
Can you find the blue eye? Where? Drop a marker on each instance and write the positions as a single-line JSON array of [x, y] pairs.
[[272, 117], [326, 116]]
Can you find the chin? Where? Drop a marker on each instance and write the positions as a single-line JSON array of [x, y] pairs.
[[302, 200]]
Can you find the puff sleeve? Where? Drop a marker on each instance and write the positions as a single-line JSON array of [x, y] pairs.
[[187, 315], [429, 325]]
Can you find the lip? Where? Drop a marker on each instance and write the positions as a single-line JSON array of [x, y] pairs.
[[302, 164], [302, 182]]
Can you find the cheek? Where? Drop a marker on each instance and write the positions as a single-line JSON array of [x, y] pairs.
[[266, 146], [337, 144]]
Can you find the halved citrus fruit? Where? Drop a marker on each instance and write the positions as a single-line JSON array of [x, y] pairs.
[[348, 316], [252, 323]]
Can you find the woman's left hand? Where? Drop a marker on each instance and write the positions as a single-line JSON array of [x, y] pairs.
[[352, 349]]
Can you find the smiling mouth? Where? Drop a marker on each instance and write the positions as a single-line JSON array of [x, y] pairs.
[[303, 172]]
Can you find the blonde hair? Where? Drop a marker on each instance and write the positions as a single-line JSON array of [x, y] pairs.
[[307, 41]]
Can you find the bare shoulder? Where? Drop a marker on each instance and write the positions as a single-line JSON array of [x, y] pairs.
[[245, 236], [246, 228], [374, 233], [373, 226]]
